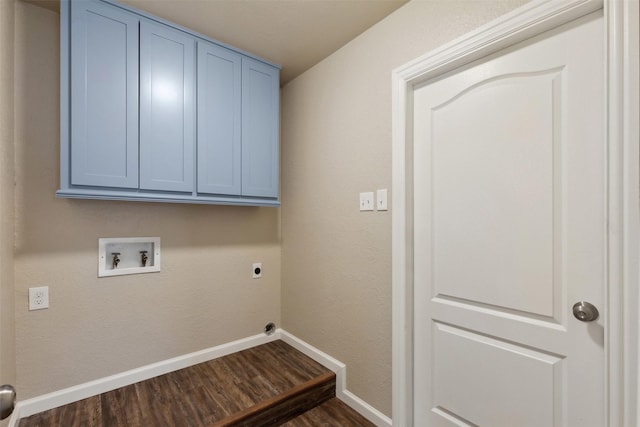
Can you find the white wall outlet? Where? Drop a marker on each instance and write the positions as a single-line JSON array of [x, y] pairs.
[[381, 200], [38, 298], [257, 270], [366, 201]]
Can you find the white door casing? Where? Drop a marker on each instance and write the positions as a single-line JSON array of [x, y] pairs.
[[616, 265]]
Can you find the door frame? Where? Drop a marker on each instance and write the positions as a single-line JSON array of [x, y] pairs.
[[622, 329]]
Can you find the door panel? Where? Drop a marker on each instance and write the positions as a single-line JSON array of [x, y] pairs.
[[497, 370], [104, 93], [509, 232], [167, 108], [508, 247], [260, 134], [219, 120]]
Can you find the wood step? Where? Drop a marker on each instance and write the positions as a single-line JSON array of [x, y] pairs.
[[286, 405], [331, 413], [267, 385]]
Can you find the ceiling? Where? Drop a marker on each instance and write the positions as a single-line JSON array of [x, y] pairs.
[[296, 34]]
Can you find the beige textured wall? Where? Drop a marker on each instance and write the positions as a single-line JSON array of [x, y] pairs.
[[336, 142], [204, 295], [7, 331]]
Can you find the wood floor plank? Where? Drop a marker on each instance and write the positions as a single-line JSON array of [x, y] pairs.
[[331, 413], [284, 406], [204, 394]]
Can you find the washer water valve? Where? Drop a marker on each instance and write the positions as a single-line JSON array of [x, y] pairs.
[[116, 259], [128, 255]]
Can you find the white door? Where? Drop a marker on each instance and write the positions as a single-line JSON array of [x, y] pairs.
[[509, 232]]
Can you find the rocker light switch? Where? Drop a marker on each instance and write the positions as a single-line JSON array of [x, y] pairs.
[[366, 201], [381, 200]]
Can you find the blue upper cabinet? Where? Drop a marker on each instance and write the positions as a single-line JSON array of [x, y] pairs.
[[260, 130], [104, 96], [152, 111], [219, 120], [167, 108]]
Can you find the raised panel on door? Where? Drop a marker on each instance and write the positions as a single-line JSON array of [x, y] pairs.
[[260, 129], [472, 371], [104, 96], [219, 120], [167, 108], [510, 231], [493, 208]]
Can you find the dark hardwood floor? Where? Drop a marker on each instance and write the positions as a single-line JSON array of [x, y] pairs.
[[269, 385], [331, 413]]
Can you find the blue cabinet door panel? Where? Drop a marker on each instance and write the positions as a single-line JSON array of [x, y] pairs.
[[167, 108], [260, 130], [219, 120], [104, 96]]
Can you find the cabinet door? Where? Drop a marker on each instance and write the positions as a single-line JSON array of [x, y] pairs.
[[104, 96], [260, 129], [167, 108], [219, 143]]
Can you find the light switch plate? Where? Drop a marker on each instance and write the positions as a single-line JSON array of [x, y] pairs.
[[381, 200], [366, 201]]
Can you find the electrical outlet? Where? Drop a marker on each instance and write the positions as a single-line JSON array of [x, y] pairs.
[[38, 298], [257, 270]]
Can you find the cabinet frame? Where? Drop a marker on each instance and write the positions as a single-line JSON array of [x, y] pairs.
[[69, 190]]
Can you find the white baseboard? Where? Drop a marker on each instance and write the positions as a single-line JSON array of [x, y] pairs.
[[359, 405], [65, 396], [366, 410], [319, 356]]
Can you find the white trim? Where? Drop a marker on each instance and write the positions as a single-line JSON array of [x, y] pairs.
[[319, 356], [340, 369], [14, 419], [623, 214], [364, 409], [524, 22], [623, 152], [58, 398], [26, 408], [631, 140]]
